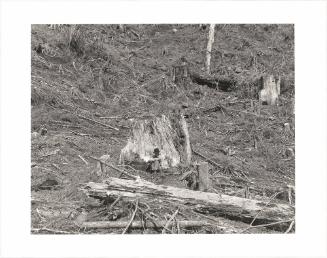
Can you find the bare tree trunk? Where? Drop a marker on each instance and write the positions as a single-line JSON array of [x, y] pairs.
[[211, 38]]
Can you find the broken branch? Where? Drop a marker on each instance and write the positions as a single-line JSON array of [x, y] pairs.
[[96, 122], [207, 159], [115, 168], [132, 218]]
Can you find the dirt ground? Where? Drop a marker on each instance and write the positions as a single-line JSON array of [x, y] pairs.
[[115, 74]]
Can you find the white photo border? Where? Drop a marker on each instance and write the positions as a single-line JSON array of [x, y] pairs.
[[309, 18]]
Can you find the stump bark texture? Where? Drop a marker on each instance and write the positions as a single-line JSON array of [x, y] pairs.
[[160, 143]]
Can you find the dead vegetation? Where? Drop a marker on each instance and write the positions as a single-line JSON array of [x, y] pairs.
[[92, 83]]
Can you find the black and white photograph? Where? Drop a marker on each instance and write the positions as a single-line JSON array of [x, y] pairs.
[[162, 129]]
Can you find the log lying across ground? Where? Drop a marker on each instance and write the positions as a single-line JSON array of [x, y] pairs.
[[221, 83], [231, 207], [140, 224]]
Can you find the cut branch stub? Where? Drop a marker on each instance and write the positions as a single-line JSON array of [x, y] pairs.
[[161, 139]]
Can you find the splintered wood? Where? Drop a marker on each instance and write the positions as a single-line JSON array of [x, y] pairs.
[[162, 143]]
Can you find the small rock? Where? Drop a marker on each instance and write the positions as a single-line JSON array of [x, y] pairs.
[[174, 30], [238, 70]]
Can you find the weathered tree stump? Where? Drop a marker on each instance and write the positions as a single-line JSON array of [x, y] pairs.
[[269, 89], [198, 178], [180, 71], [204, 179], [159, 143]]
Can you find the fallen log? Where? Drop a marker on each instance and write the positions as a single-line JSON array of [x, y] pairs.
[[231, 207], [140, 224], [221, 83]]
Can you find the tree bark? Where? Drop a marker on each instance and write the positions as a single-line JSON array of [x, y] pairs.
[[231, 207], [164, 140]]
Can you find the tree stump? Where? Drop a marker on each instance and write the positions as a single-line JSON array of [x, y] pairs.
[[203, 174], [159, 143], [180, 72], [101, 168], [269, 89]]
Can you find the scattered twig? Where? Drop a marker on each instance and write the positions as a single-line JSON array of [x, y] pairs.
[[86, 163], [169, 221], [97, 122], [221, 107], [267, 225], [113, 167], [135, 33], [247, 113], [269, 201], [115, 202], [56, 166], [103, 211], [39, 214], [207, 159], [132, 218], [110, 117], [256, 216], [290, 227], [80, 134]]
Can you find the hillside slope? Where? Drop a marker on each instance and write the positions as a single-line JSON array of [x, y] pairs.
[[88, 78]]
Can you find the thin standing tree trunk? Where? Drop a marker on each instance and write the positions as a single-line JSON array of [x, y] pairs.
[[211, 38]]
